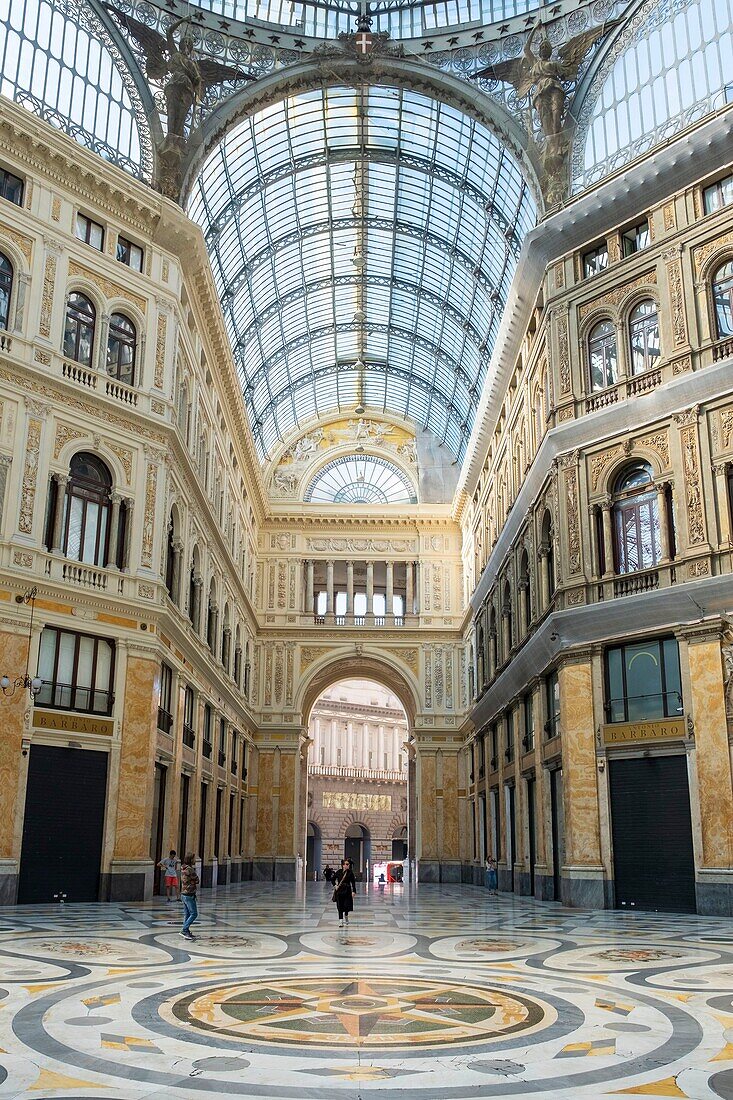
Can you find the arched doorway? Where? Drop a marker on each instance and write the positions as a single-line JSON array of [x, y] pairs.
[[357, 848], [358, 774], [312, 852]]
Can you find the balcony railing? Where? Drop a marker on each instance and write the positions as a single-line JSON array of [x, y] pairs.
[[83, 700], [360, 620], [722, 350], [189, 736], [339, 771], [165, 720], [633, 583]]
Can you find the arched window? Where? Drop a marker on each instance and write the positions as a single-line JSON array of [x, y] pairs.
[[86, 535], [170, 559], [637, 541], [602, 355], [493, 647], [79, 329], [525, 591], [644, 336], [547, 550], [507, 618], [211, 617], [6, 287], [121, 343], [723, 300]]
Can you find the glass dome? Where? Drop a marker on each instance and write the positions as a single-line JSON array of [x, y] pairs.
[[361, 479]]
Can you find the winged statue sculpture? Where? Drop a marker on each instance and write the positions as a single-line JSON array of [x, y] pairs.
[[186, 79], [545, 77]]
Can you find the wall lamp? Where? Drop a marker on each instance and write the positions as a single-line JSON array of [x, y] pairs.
[[34, 684]]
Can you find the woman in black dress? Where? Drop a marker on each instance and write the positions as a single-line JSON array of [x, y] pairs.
[[344, 888]]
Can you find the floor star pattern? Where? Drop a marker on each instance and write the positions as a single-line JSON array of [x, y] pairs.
[[435, 993]]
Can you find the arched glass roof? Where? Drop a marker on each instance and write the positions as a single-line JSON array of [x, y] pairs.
[[363, 241], [361, 479], [399, 18], [59, 62]]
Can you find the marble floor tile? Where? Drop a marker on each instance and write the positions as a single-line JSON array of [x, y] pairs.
[[436, 993]]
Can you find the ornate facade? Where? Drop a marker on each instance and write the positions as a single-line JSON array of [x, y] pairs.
[[191, 603]]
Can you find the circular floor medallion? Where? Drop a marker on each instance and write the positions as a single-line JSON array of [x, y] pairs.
[[366, 1013]]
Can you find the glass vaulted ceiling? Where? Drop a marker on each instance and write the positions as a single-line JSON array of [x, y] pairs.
[[363, 241], [399, 18]]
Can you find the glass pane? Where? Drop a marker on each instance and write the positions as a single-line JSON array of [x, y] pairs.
[[74, 517], [644, 681], [673, 681], [616, 694], [89, 550]]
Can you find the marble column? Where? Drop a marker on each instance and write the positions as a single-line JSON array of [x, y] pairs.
[[126, 555], [177, 559], [714, 787], [350, 589], [62, 481], [329, 589], [370, 589], [114, 531], [606, 506], [418, 580], [583, 872], [13, 765], [437, 801], [544, 575], [523, 624], [309, 567], [132, 869], [389, 594], [663, 514]]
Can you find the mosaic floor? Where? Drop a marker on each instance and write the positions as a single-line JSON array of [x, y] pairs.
[[440, 994]]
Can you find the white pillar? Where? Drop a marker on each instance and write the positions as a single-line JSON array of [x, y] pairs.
[[389, 597], [309, 609], [329, 588], [370, 589], [409, 591], [349, 588], [62, 480]]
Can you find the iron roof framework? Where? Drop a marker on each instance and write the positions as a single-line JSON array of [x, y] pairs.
[[363, 240]]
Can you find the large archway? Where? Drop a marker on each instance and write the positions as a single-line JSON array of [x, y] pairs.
[[356, 780]]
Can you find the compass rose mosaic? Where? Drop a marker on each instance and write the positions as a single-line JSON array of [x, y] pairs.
[[364, 1012]]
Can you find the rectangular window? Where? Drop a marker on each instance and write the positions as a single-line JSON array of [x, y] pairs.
[[165, 706], [11, 187], [89, 232], [635, 239], [233, 760], [129, 254], [509, 734], [183, 815], [595, 260], [552, 702], [77, 672], [718, 195], [643, 681], [528, 707], [189, 717], [240, 838], [202, 820], [222, 743], [206, 734], [494, 761]]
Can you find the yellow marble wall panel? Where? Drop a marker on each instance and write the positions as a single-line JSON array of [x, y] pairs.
[[580, 789], [286, 824], [715, 785], [264, 839], [451, 843], [13, 650], [137, 759], [427, 807]]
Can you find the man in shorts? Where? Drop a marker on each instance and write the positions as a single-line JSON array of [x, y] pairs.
[[171, 867]]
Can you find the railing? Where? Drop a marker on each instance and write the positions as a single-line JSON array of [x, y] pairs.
[[602, 400], [634, 583], [339, 771], [189, 736], [79, 375], [642, 383], [668, 705], [722, 350], [83, 700], [6, 342], [84, 575], [120, 392], [359, 620], [165, 720], [89, 379]]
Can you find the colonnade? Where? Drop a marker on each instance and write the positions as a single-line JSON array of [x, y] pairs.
[[398, 582]]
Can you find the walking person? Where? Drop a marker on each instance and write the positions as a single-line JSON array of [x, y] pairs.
[[171, 867], [492, 880], [344, 888], [189, 882]]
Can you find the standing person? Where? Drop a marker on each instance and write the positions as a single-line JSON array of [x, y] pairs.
[[491, 875], [189, 882], [344, 888], [171, 866], [328, 873]]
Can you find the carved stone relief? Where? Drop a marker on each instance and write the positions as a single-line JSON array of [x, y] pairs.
[[160, 342], [109, 288], [151, 488], [693, 497], [65, 434], [30, 474], [677, 297], [617, 294]]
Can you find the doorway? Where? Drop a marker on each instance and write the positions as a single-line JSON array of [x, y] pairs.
[[156, 832], [63, 826], [532, 838], [357, 795], [653, 859], [557, 831]]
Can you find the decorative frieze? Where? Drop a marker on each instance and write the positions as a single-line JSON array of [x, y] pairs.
[[109, 288], [615, 295], [65, 434], [563, 344], [23, 243], [160, 344], [49, 282], [703, 252], [361, 546], [693, 494], [311, 653], [676, 296], [30, 475], [151, 490]]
